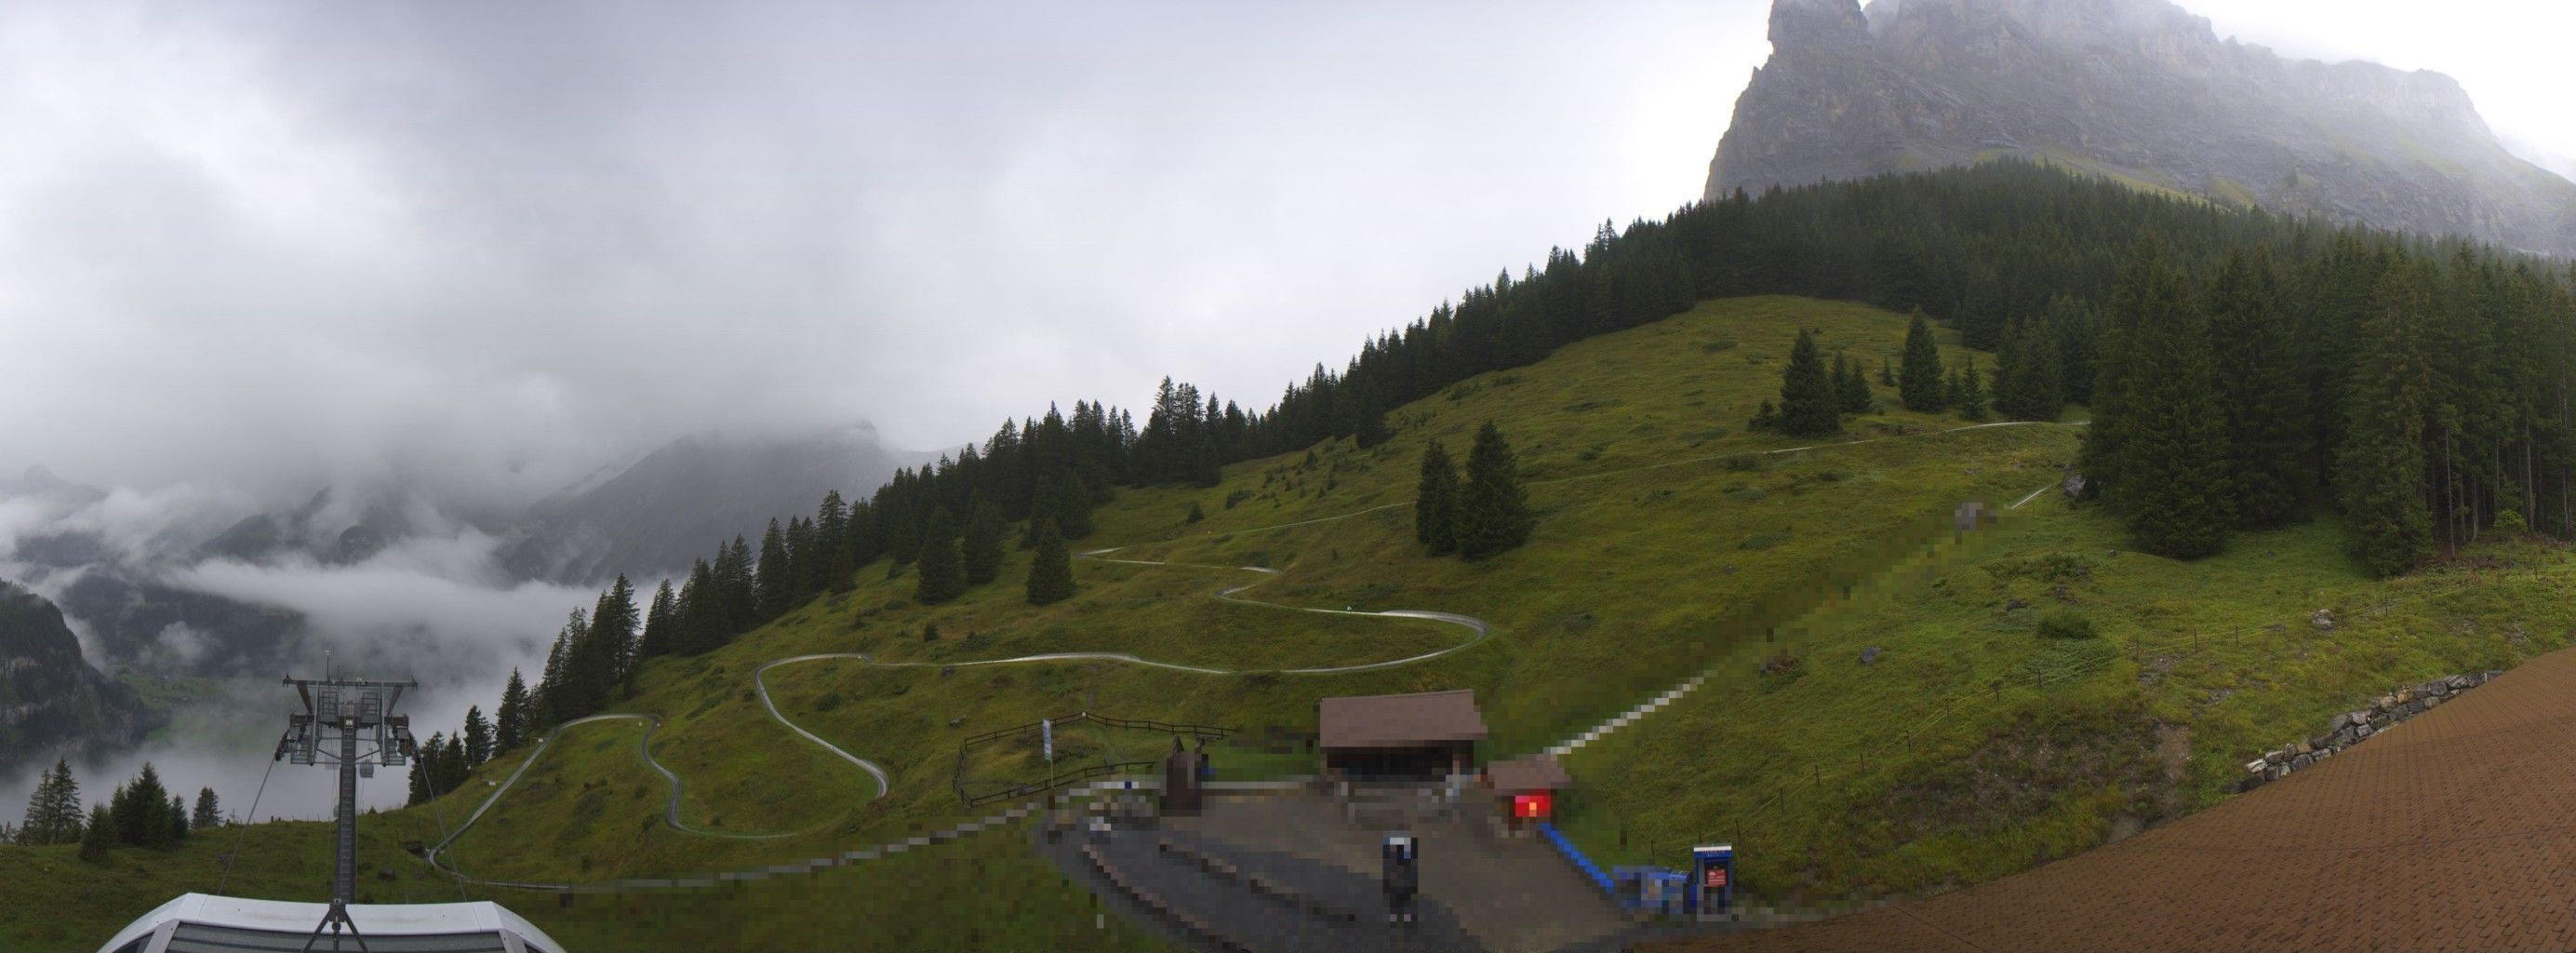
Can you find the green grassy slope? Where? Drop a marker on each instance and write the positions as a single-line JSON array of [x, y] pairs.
[[1973, 747], [1670, 541]]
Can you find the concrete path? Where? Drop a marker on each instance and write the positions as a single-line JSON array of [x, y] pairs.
[[1512, 895]]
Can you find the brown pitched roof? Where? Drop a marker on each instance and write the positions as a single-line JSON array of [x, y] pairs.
[[1395, 721], [1537, 773]]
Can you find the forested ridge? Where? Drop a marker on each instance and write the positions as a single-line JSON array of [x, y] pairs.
[[2243, 370]]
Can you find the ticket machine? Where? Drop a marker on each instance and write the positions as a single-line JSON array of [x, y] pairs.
[[1712, 883]]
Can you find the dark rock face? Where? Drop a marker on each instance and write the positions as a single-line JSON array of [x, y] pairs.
[[2139, 90], [50, 699]]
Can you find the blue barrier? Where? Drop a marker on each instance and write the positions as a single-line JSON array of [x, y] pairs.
[[1581, 862]]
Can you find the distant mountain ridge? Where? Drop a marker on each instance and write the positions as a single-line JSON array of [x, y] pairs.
[[676, 503], [2138, 90], [642, 517], [50, 698]]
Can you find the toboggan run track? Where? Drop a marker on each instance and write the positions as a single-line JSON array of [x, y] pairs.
[[1481, 630]]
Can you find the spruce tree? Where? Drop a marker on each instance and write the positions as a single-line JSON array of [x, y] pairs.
[[1972, 393], [943, 570], [1767, 418], [2173, 485], [1886, 373], [2027, 383], [802, 557], [700, 613], [54, 810], [1851, 386], [1051, 572], [142, 810], [1808, 405], [478, 737], [511, 727], [1435, 502], [741, 593], [903, 538], [832, 567], [98, 835], [661, 627], [208, 815], [178, 815], [776, 577], [1046, 500], [612, 635], [1369, 429], [2267, 398], [1073, 509], [864, 543], [1919, 382], [2379, 473], [432, 769], [1492, 515], [982, 548]]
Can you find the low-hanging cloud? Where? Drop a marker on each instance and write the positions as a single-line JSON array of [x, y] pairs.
[[431, 608]]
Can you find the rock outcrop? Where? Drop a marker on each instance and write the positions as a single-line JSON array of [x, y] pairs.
[[49, 698], [2138, 90]]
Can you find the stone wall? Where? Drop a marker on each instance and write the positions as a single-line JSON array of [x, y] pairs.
[[2352, 727]]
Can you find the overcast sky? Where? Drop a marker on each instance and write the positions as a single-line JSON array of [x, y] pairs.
[[491, 246]]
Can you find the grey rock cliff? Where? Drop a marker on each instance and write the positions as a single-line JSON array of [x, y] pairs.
[[2139, 90], [50, 699]]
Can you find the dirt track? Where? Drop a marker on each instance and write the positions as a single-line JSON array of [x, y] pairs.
[[2454, 830]]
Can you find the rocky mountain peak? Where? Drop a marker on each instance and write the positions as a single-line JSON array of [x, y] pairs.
[[2140, 90]]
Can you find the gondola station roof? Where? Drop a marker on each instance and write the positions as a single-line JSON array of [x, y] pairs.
[[201, 923]]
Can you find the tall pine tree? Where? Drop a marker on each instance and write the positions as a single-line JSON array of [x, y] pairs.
[[1972, 393], [2027, 385], [478, 737], [1808, 404], [2171, 480], [209, 814], [513, 722], [943, 569], [1851, 386], [981, 550], [54, 810], [661, 625], [1435, 502], [1051, 572], [2267, 398], [1492, 515], [1919, 382], [776, 577], [2380, 471]]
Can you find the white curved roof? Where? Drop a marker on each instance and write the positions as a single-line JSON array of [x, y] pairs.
[[235, 923]]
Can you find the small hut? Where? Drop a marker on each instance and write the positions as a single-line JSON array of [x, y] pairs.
[[1525, 790], [1422, 736]]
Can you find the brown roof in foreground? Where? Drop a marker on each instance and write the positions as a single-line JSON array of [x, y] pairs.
[[1535, 773], [1397, 721]]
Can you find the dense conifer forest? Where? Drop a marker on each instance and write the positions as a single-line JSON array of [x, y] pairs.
[[2242, 370]]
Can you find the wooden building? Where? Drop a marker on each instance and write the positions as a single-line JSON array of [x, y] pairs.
[[1420, 736]]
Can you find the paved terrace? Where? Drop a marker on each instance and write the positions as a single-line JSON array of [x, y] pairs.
[[2454, 830]]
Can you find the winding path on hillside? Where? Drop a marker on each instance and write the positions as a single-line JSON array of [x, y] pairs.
[[1480, 629]]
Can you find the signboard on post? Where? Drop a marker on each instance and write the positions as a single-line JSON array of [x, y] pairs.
[[1046, 738], [1712, 884]]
